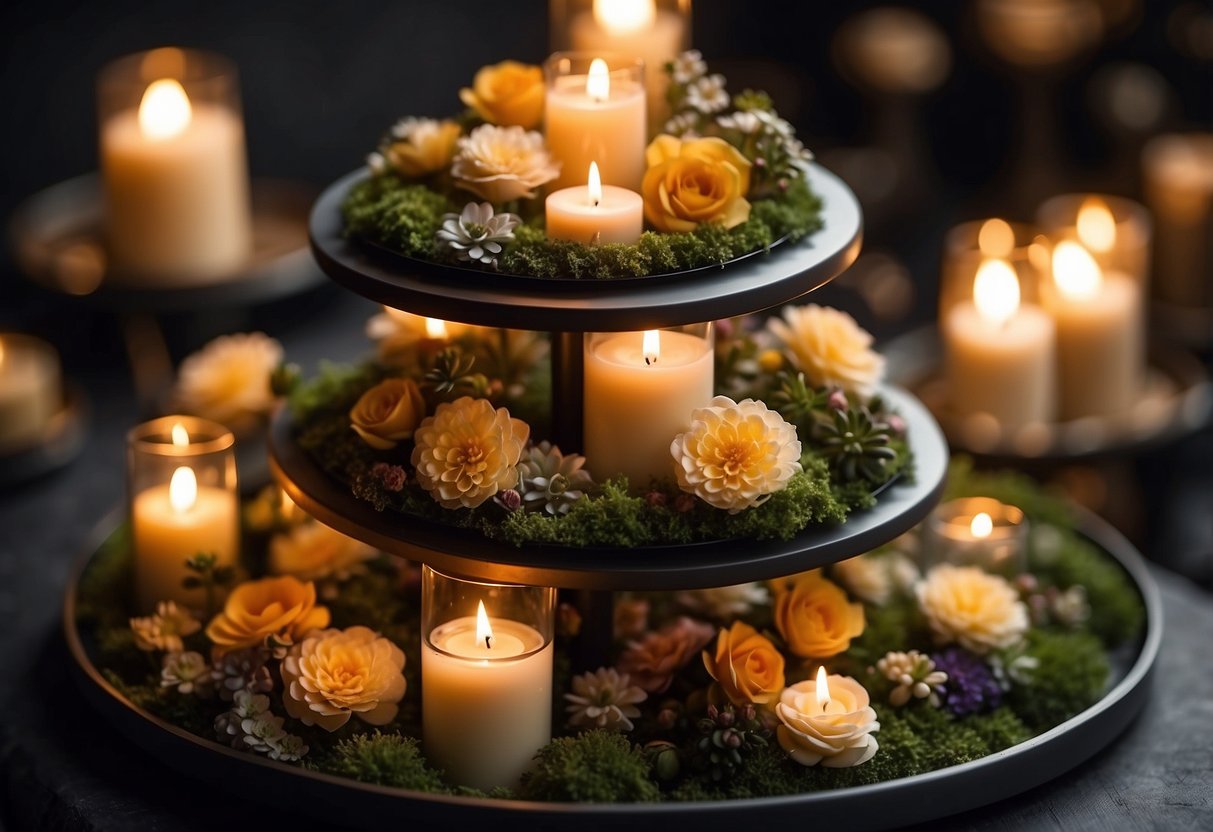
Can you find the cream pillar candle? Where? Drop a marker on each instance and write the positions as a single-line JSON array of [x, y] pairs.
[[999, 354], [1100, 338], [640, 389], [176, 177], [594, 213], [30, 391], [598, 116], [486, 689], [1178, 182]]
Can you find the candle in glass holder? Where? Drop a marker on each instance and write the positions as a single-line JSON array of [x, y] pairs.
[[594, 213], [173, 163], [640, 389], [1116, 231], [1178, 182], [595, 112], [182, 473], [977, 531], [30, 390], [1100, 337], [486, 678]]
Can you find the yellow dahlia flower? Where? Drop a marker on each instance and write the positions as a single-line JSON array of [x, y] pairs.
[[468, 451]]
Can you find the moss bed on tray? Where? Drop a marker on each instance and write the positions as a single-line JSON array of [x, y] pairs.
[[688, 738]]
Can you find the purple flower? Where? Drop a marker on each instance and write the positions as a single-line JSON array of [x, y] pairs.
[[971, 687], [510, 500], [684, 503], [392, 476]]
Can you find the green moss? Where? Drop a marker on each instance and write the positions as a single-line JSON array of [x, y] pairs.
[[999, 729], [594, 767], [393, 213], [1072, 675], [106, 588], [382, 759]]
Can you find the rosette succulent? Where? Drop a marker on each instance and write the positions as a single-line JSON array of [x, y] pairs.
[[856, 445], [477, 235], [551, 481]]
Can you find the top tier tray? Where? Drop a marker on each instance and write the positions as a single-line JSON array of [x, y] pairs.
[[748, 284]]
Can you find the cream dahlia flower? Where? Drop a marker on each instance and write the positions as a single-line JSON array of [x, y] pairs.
[[967, 605], [736, 454], [829, 348], [837, 735], [313, 551], [503, 163], [335, 674], [228, 380], [468, 451], [725, 602], [604, 699]]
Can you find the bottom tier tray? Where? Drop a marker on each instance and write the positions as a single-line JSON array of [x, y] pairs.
[[897, 802]]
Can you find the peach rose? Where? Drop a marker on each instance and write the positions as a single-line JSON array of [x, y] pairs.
[[815, 617], [746, 665], [335, 674], [509, 93], [388, 412], [278, 609], [421, 146], [693, 181]]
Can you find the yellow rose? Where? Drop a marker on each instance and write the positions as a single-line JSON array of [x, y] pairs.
[[423, 146], [814, 616], [509, 94], [282, 609], [693, 181], [388, 412], [746, 665]]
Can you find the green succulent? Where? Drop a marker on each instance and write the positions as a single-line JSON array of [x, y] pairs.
[[856, 445], [551, 481], [728, 734], [798, 402], [451, 375]]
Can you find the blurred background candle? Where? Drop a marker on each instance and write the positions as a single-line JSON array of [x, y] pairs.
[[1178, 182], [977, 531], [30, 389], [1116, 231], [594, 213], [1100, 337], [173, 163], [595, 112], [486, 677], [183, 502], [640, 389]]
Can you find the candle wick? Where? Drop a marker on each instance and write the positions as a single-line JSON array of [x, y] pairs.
[[649, 360], [487, 645]]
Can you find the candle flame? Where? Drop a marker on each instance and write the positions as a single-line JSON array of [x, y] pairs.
[[651, 346], [621, 17], [1096, 226], [181, 436], [598, 82], [165, 110], [183, 489], [1, 352], [1075, 272], [982, 526], [594, 185], [996, 291], [435, 328], [823, 688], [996, 239], [484, 632]]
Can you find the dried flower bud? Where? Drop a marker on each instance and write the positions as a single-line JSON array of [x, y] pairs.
[[510, 500], [684, 503], [656, 499], [837, 400], [664, 757], [896, 424]]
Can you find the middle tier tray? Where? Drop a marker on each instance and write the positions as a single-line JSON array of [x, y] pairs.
[[900, 506]]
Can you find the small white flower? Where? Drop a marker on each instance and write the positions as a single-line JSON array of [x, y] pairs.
[[477, 235], [263, 732], [289, 749], [743, 121], [247, 705], [604, 699], [166, 629], [688, 67], [683, 126], [726, 602], [376, 163], [708, 95], [188, 672], [774, 124]]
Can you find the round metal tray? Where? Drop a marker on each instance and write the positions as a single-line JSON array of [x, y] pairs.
[[716, 563], [886, 805], [748, 284]]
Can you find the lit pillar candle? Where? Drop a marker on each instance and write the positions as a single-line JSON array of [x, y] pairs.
[[30, 392], [634, 27], [1100, 339], [640, 389], [486, 685], [999, 352], [978, 531], [174, 520], [176, 185], [1178, 182], [595, 116], [594, 213], [1116, 231]]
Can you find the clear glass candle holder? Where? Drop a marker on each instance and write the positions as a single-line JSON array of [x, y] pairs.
[[174, 167], [1116, 230], [656, 31], [640, 389], [181, 481], [600, 117], [968, 245], [486, 676], [977, 531]]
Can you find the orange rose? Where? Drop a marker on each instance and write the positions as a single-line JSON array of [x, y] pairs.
[[508, 94], [282, 609], [815, 617], [746, 665], [388, 412], [693, 181]]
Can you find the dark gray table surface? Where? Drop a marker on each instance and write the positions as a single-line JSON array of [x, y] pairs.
[[61, 769]]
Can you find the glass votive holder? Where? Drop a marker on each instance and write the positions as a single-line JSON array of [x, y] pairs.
[[181, 481], [486, 676], [594, 111], [1114, 229], [968, 245], [977, 531], [174, 167], [640, 389], [31, 390], [1178, 182], [656, 31]]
